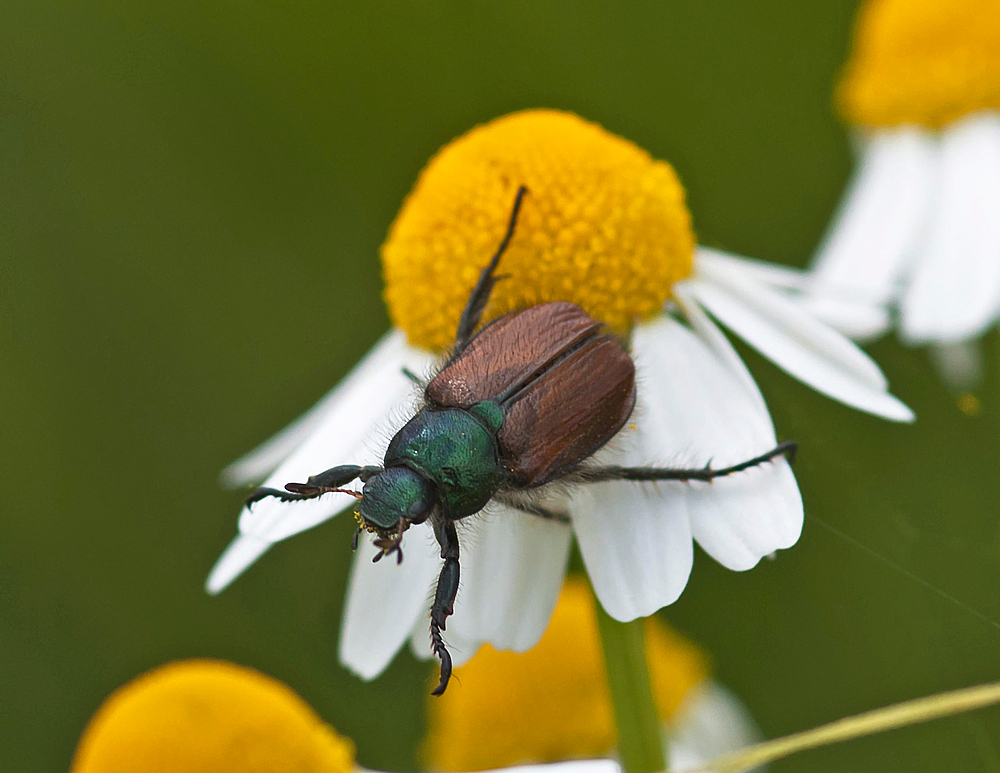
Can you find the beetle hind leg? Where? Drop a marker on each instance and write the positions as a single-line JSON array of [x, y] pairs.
[[707, 473], [539, 511]]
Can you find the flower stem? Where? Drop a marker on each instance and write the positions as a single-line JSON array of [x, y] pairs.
[[640, 735]]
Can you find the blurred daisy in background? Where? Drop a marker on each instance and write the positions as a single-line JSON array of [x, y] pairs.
[[208, 716], [604, 225], [919, 226], [553, 702], [212, 716]]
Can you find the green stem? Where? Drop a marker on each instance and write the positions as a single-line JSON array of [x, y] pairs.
[[641, 747]]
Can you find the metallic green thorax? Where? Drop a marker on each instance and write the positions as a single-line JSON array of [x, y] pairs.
[[457, 450]]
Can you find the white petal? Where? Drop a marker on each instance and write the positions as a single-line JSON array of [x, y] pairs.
[[855, 318], [241, 553], [356, 430], [738, 522], [955, 288], [255, 465], [960, 364], [693, 408], [569, 766], [512, 569], [798, 343], [873, 236], [717, 342], [572, 766], [710, 722], [385, 600], [844, 311], [703, 413], [789, 320], [772, 274], [635, 538]]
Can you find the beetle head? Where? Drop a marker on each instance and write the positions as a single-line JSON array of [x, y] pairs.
[[392, 495]]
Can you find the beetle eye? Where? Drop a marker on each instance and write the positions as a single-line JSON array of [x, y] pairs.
[[395, 493]]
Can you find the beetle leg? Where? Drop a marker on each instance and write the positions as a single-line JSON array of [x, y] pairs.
[[444, 597], [476, 304], [326, 482], [532, 509], [707, 473], [337, 476]]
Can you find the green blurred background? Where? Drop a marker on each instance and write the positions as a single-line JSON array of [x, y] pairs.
[[192, 197]]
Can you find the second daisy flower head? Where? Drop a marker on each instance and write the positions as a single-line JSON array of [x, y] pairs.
[[604, 226], [918, 228]]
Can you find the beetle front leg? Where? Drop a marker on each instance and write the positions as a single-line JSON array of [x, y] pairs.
[[326, 482], [444, 598]]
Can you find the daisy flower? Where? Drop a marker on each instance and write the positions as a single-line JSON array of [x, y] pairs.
[[553, 702], [919, 226], [209, 716], [605, 226]]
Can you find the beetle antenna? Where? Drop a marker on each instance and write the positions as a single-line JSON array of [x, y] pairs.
[[326, 482], [315, 491], [296, 492]]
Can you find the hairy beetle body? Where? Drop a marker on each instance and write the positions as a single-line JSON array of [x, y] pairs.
[[523, 402], [564, 387]]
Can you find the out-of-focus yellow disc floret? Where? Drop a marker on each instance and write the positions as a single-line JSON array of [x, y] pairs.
[[603, 225], [552, 702], [209, 716], [922, 61]]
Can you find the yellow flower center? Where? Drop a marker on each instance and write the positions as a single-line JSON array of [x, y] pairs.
[[603, 225], [922, 61], [207, 716], [552, 702]]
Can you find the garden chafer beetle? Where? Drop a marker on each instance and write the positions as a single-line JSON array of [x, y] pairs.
[[520, 404]]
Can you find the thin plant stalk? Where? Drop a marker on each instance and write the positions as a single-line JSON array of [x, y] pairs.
[[641, 745]]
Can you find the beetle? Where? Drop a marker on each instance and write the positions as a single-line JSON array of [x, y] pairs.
[[521, 403]]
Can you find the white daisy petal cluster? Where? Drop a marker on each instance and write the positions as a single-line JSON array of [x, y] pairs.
[[918, 229], [696, 403], [710, 722]]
